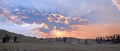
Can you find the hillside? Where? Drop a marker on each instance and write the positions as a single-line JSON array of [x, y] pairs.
[[52, 44], [4, 32], [20, 38]]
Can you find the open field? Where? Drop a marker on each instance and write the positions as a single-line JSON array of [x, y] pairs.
[[26, 43], [57, 47]]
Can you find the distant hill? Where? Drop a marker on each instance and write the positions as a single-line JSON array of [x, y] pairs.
[[22, 38], [4, 32]]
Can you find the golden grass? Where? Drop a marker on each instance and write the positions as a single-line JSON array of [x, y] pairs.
[[57, 47]]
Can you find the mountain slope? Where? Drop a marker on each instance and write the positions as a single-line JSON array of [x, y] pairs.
[[20, 38]]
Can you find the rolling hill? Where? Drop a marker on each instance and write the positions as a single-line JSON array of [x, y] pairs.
[[52, 44]]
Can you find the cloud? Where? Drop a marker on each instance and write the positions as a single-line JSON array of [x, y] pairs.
[[3, 11], [83, 31], [66, 20], [25, 28], [9, 17], [116, 3], [58, 18], [45, 26]]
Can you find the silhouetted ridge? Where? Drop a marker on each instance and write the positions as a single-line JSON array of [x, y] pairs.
[[114, 39]]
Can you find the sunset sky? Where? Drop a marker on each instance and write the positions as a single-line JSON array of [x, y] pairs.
[[61, 18]]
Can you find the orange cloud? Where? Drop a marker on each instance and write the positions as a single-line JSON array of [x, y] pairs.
[[66, 21], [39, 33], [84, 31], [13, 18], [94, 30], [53, 34], [116, 3], [49, 19], [45, 26]]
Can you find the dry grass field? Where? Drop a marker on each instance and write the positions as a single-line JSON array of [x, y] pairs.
[[57, 47]]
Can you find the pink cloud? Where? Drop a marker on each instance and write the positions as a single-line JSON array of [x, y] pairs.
[[83, 31], [116, 3]]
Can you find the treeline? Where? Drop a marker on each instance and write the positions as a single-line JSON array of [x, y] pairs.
[[69, 40], [113, 39], [7, 38]]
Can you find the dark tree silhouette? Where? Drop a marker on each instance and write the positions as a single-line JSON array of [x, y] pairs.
[[114, 39], [5, 39], [15, 39], [108, 39], [86, 41], [64, 39]]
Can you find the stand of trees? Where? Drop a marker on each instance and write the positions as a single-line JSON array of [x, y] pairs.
[[114, 39], [64, 39], [6, 39], [67, 40]]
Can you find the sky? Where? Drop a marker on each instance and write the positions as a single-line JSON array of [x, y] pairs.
[[61, 18]]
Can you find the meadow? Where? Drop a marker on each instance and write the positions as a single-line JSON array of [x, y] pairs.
[[58, 47]]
